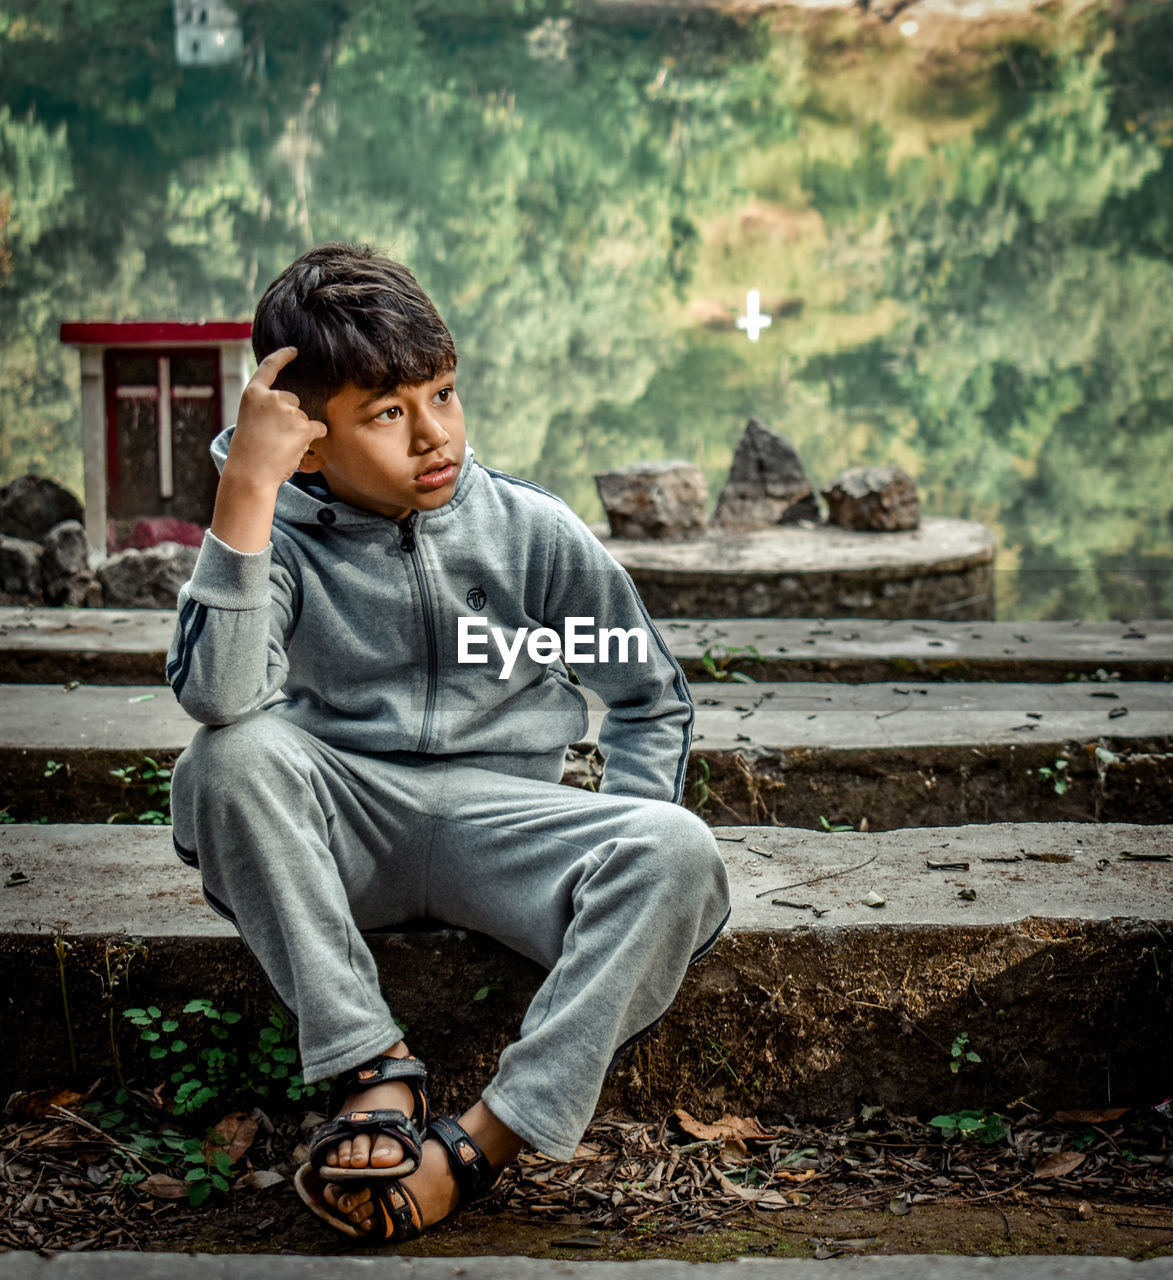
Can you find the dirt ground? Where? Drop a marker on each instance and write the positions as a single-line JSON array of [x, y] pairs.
[[1072, 1183]]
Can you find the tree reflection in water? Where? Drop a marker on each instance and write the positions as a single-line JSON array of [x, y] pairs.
[[966, 249]]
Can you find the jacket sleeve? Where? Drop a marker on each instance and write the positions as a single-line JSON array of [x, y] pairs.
[[647, 731], [227, 654]]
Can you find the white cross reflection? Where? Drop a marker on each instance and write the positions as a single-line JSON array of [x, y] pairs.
[[754, 321]]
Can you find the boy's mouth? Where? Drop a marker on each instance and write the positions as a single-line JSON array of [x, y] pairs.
[[437, 474]]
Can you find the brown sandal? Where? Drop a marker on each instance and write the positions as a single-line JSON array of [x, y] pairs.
[[392, 1123]]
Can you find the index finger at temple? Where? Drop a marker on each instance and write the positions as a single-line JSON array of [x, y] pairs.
[[272, 365]]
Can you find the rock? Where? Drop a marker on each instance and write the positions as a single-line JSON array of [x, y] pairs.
[[146, 579], [20, 571], [150, 533], [31, 505], [767, 484], [66, 576], [654, 499], [880, 498]]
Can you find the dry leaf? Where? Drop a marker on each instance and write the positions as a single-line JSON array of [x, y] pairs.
[[802, 1175], [40, 1103], [233, 1135], [761, 1198], [1090, 1117], [1059, 1165], [743, 1127], [259, 1179], [781, 1200], [164, 1186]]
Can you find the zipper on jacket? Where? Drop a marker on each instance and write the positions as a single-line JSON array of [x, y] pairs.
[[407, 544]]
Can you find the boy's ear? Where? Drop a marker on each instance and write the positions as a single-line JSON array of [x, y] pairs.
[[310, 462]]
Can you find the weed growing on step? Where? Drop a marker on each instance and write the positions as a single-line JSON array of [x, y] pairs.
[[700, 785], [834, 826], [228, 1068], [1055, 774], [155, 779], [986, 1126], [206, 1079], [8, 819], [960, 1053], [716, 660], [199, 1162]]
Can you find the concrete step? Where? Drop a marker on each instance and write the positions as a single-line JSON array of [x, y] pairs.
[[793, 753], [108, 646], [1049, 945], [861, 650], [386, 1266]]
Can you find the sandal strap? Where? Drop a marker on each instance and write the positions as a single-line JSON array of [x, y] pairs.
[[410, 1071], [383, 1070], [470, 1166], [399, 1218], [393, 1124]]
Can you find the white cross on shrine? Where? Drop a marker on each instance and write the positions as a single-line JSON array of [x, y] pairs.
[[754, 321]]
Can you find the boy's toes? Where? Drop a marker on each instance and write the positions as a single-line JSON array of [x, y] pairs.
[[358, 1208], [359, 1155], [356, 1204], [340, 1155], [385, 1153]]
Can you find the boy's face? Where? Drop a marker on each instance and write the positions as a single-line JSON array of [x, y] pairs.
[[392, 452]]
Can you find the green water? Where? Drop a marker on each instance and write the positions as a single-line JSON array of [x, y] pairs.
[[965, 239]]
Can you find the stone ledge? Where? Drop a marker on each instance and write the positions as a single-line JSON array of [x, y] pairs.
[[111, 646], [788, 753], [1059, 972], [385, 1266], [944, 569]]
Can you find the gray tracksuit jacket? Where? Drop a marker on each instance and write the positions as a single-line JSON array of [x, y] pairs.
[[349, 625]]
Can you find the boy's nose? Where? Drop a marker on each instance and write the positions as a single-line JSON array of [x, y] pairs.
[[429, 433]]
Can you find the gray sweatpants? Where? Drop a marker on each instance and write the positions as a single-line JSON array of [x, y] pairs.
[[306, 846]]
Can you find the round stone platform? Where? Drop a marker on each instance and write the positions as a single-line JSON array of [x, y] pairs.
[[944, 569]]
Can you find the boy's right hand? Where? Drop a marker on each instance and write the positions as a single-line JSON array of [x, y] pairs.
[[272, 432], [271, 438]]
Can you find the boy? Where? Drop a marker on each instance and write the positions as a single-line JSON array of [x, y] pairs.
[[386, 726]]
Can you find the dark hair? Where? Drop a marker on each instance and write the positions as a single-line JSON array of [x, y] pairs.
[[355, 317]]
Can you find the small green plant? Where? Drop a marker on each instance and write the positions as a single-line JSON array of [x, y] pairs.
[[52, 767], [716, 660], [985, 1126], [275, 1057], [228, 1068], [205, 1166], [1100, 675], [960, 1053], [700, 785], [1055, 774], [834, 826], [155, 780]]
